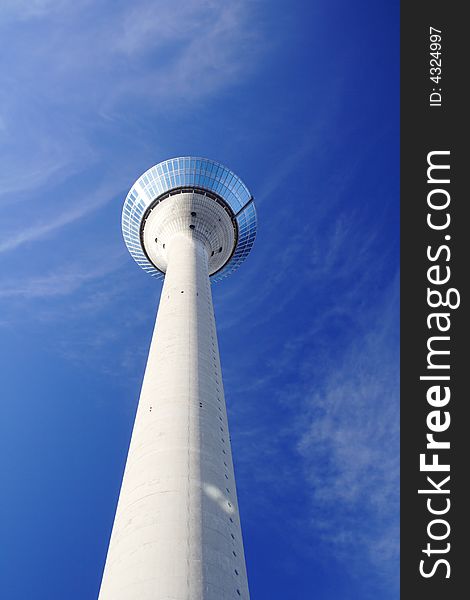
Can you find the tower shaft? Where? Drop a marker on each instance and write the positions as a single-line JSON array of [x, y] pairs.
[[177, 534]]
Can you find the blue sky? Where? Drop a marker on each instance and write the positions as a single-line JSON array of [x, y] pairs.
[[300, 99]]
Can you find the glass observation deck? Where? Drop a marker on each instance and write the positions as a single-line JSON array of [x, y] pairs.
[[189, 172]]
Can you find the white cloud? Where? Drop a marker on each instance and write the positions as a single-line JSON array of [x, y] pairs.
[[204, 48], [75, 209], [64, 281], [85, 72], [29, 9], [148, 24], [349, 442]]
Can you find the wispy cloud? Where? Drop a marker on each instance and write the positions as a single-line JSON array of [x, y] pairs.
[[196, 48], [29, 9], [63, 281], [194, 65], [349, 442], [145, 25], [86, 73], [75, 209], [37, 150], [342, 392]]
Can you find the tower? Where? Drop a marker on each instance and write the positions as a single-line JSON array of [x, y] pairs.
[[177, 533]]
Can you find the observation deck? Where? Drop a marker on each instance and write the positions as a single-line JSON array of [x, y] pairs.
[[196, 195]]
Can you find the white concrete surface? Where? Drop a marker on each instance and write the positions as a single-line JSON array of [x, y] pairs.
[[177, 534], [211, 224]]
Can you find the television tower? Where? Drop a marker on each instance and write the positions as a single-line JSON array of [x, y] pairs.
[[177, 533]]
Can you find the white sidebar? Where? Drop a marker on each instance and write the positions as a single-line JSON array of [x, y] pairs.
[[177, 534]]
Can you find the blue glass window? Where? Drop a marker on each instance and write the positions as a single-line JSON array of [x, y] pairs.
[[189, 171]]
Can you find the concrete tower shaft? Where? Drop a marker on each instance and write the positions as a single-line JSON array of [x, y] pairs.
[[177, 534], [177, 531]]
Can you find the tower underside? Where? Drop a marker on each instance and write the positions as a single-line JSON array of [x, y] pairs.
[[177, 533]]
